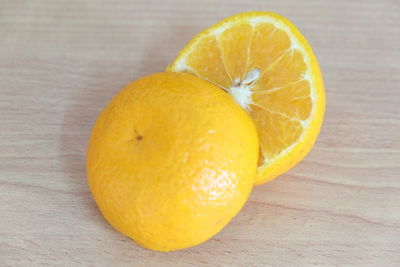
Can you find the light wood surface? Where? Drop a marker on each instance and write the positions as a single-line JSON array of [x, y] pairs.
[[62, 61]]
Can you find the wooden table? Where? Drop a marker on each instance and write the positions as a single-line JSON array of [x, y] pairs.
[[62, 61]]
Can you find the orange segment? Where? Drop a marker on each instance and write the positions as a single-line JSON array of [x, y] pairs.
[[289, 68], [272, 128], [293, 100], [206, 62], [264, 62], [235, 55], [268, 43]]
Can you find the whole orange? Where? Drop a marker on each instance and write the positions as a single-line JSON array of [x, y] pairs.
[[171, 160]]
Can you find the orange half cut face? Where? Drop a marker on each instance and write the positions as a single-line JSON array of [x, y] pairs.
[[264, 62]]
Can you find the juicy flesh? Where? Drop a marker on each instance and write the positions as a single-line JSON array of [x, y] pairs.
[[265, 73]]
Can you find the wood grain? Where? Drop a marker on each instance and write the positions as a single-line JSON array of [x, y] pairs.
[[62, 61]]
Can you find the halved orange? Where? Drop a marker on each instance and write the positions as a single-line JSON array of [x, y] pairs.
[[268, 67]]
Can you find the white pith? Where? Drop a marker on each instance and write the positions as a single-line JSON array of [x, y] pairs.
[[241, 89]]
